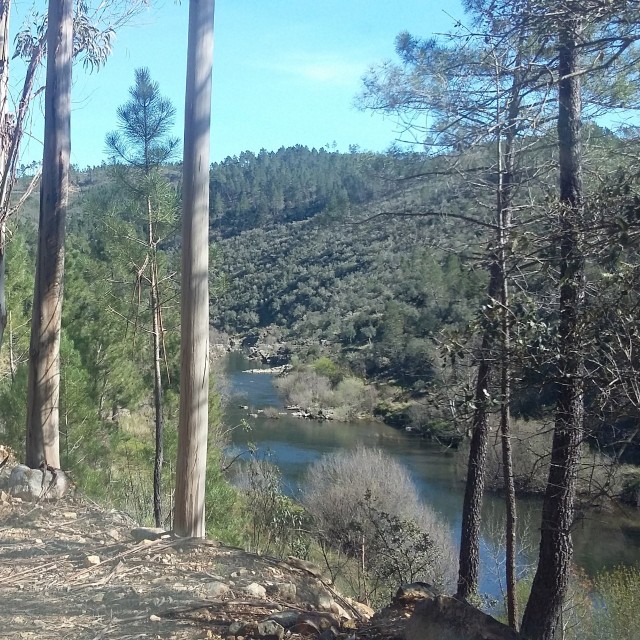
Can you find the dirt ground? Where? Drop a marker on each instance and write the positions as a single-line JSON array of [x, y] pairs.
[[74, 570]]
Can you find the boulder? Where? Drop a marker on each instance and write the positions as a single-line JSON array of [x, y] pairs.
[[35, 484], [216, 589], [256, 590], [270, 629], [446, 618]]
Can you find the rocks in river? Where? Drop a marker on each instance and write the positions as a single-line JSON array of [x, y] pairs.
[[274, 370], [310, 414]]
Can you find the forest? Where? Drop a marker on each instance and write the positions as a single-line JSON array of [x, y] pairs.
[[479, 288]]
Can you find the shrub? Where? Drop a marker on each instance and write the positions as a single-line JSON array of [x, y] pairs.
[[275, 521], [617, 610], [365, 506], [351, 398]]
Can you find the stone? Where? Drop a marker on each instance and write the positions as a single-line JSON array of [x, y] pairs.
[[324, 601], [305, 565], [35, 484], [322, 620], [216, 589], [342, 613], [91, 561], [415, 591], [286, 618], [363, 610], [147, 533], [283, 590], [329, 634], [305, 627], [236, 628], [446, 618], [256, 590], [270, 629]]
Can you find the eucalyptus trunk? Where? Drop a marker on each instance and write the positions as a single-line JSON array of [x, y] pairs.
[[194, 346], [5, 143], [556, 547], [42, 442]]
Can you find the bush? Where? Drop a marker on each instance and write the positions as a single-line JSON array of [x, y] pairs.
[[351, 398], [365, 506], [617, 610], [275, 521]]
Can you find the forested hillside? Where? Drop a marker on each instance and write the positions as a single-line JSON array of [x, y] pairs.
[[331, 264]]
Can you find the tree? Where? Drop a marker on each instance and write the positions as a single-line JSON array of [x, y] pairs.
[[194, 347], [481, 89], [93, 31], [42, 442], [550, 582], [143, 143], [5, 126]]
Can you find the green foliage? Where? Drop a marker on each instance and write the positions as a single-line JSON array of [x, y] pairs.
[[276, 524], [144, 125], [617, 610], [327, 368]]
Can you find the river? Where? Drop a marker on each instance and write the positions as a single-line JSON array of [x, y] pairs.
[[602, 540]]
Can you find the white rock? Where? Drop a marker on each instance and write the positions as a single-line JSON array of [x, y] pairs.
[[216, 589], [256, 590], [91, 561], [32, 484]]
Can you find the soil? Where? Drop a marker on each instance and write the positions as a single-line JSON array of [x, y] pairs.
[[75, 570]]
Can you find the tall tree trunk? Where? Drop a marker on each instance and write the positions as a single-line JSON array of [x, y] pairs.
[[194, 346], [156, 338], [469, 562], [5, 143], [556, 547], [42, 442], [507, 167]]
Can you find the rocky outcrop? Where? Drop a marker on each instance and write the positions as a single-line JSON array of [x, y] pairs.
[[446, 618]]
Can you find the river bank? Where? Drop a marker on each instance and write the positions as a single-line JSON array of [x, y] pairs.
[[602, 539]]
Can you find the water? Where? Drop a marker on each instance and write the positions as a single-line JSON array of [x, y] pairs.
[[601, 540]]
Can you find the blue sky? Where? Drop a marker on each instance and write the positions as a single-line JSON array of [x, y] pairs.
[[285, 72]]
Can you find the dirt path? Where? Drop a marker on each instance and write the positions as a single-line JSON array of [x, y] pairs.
[[73, 570]]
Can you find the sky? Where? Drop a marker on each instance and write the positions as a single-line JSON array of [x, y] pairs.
[[285, 72]]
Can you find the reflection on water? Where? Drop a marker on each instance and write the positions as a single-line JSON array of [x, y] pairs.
[[601, 540]]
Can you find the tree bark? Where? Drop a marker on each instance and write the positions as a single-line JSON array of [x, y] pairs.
[[5, 143], [469, 560], [42, 442], [156, 339], [194, 346], [507, 167], [556, 547]]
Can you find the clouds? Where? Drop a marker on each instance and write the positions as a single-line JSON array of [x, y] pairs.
[[324, 68]]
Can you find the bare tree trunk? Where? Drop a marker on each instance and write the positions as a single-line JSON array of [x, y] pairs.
[[469, 562], [507, 166], [194, 347], [156, 332], [42, 442], [556, 547], [5, 143]]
